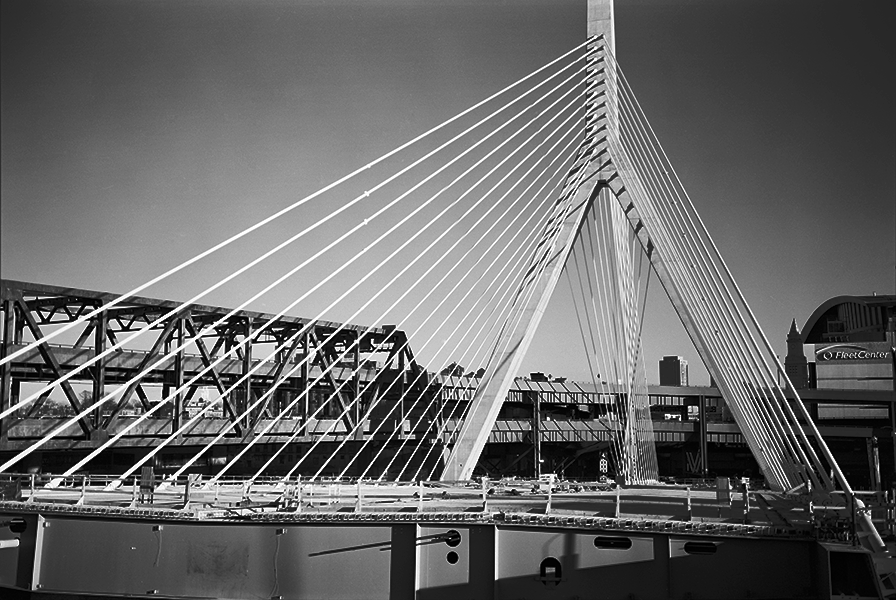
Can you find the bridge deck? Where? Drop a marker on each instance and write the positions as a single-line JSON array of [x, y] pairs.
[[520, 500]]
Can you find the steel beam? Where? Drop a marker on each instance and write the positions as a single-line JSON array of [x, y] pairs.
[[99, 370], [8, 329]]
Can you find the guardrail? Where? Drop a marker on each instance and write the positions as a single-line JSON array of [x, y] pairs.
[[835, 522], [196, 497], [295, 494]]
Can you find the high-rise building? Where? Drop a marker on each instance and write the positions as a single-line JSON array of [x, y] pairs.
[[673, 371], [795, 364]]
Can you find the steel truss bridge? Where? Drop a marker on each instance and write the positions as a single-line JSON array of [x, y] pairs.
[[461, 243], [32, 306]]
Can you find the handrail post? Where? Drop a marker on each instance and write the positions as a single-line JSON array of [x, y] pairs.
[[618, 500], [81, 500], [187, 493]]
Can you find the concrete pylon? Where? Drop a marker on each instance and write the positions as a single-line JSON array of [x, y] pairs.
[[545, 268], [601, 22]]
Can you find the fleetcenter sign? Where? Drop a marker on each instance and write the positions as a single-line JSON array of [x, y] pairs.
[[853, 352]]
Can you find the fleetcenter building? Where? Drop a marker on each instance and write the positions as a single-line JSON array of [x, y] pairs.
[[846, 344]]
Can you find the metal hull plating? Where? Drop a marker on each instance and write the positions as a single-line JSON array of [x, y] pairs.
[[424, 556]]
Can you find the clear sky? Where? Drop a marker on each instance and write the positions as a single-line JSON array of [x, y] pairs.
[[136, 134]]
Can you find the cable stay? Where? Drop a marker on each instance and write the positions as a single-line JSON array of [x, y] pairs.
[[459, 237]]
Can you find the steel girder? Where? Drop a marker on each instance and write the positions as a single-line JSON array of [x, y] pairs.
[[343, 359]]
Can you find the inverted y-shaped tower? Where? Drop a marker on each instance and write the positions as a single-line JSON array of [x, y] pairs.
[[620, 161]]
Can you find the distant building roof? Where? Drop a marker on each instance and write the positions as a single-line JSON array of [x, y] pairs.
[[850, 319]]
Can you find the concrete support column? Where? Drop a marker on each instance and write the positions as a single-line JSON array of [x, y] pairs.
[[536, 433], [704, 446]]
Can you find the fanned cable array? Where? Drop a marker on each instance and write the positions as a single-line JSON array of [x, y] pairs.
[[609, 277], [449, 248], [431, 239], [776, 425]]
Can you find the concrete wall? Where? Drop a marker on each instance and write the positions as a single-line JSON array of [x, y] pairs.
[[395, 559]]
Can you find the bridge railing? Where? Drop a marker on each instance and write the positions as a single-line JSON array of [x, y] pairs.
[[692, 500], [192, 496]]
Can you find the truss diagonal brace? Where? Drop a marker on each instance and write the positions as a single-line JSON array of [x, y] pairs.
[[50, 358], [206, 358], [134, 385], [327, 363], [276, 381]]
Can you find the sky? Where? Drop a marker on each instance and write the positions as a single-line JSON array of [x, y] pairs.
[[137, 134]]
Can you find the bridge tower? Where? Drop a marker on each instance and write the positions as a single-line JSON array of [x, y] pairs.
[[696, 279], [583, 183]]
